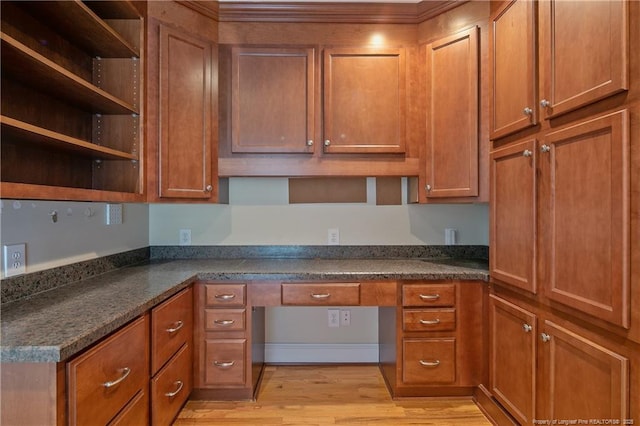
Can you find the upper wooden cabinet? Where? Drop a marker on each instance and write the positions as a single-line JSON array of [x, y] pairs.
[[364, 100], [513, 67], [273, 100], [452, 116], [181, 106], [71, 101]]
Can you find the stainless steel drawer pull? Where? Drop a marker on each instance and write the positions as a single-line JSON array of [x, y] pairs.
[[429, 296], [224, 322], [125, 372], [178, 326], [430, 322], [320, 296], [225, 296], [223, 364], [430, 363], [177, 391]]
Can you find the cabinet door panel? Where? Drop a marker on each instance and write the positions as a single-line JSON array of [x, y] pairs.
[[513, 358], [452, 116], [513, 183], [186, 114], [583, 380], [513, 67], [364, 100], [586, 222], [273, 100], [585, 47]]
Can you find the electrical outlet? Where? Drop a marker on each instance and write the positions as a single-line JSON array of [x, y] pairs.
[[15, 259], [185, 237], [345, 317], [333, 236], [333, 317], [113, 214], [450, 235]]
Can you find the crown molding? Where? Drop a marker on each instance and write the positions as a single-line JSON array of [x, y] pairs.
[[333, 12], [206, 8]]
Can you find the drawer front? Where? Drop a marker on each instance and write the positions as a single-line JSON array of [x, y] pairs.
[[135, 413], [105, 378], [225, 294], [225, 319], [171, 387], [225, 362], [429, 361], [429, 319], [171, 327], [428, 295], [321, 294]]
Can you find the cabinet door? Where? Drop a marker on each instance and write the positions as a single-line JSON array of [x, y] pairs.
[[583, 50], [582, 380], [513, 358], [513, 68], [513, 183], [272, 100], [186, 113], [584, 217], [452, 116], [364, 100]]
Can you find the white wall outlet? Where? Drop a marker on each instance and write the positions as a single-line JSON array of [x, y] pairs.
[[450, 236], [333, 236], [15, 259], [113, 214], [185, 237], [333, 317], [345, 317]]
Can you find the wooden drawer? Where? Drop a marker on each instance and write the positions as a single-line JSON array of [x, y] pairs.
[[321, 294], [171, 327], [171, 387], [428, 361], [122, 362], [224, 319], [225, 295], [135, 413], [429, 295], [225, 362], [429, 319]]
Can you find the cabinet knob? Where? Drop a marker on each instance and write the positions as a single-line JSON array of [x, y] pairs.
[[527, 153], [527, 111], [527, 328], [310, 142], [545, 337], [327, 142], [428, 188], [545, 103], [545, 148], [209, 188]]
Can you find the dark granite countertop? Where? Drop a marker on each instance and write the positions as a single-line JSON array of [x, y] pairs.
[[55, 325]]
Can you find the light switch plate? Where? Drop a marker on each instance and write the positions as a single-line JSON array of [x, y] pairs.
[[113, 214], [15, 259]]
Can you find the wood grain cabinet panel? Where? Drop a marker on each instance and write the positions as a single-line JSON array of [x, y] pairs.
[[429, 360], [452, 116], [225, 319], [171, 327], [512, 358], [585, 224], [364, 100], [582, 380], [513, 68], [105, 378], [225, 362], [321, 294], [273, 100], [584, 51], [223, 295], [186, 114], [429, 320], [433, 295], [513, 215], [135, 413], [171, 387]]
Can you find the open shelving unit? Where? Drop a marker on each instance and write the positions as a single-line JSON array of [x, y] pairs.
[[71, 121]]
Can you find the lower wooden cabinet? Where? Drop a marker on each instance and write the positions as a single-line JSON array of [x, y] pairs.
[[225, 362], [429, 360], [554, 372], [171, 387]]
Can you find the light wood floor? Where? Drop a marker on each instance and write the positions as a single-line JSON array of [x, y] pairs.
[[330, 395]]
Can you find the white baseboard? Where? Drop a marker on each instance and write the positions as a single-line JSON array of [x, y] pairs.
[[321, 352]]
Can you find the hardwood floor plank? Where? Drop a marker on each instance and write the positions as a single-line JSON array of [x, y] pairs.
[[330, 395]]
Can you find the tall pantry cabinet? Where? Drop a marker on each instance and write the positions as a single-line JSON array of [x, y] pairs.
[[564, 210]]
